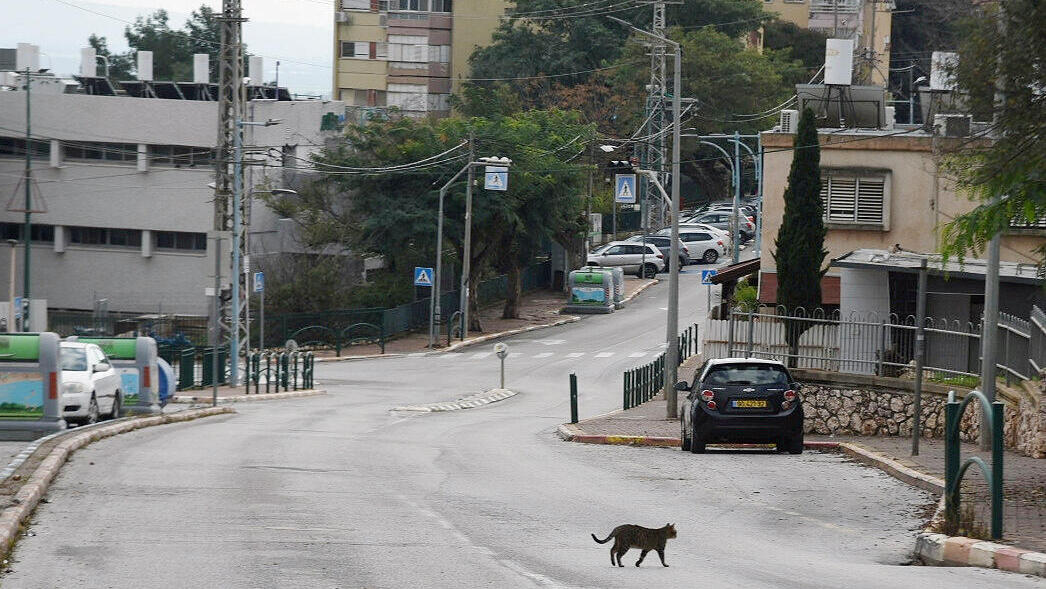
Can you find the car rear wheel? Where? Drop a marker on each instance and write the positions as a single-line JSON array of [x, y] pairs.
[[697, 443], [710, 257], [684, 440], [795, 444], [649, 271]]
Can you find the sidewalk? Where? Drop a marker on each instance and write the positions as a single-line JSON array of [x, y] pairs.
[[537, 309], [1024, 486]]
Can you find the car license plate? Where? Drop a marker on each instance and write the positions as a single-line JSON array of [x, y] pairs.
[[750, 403]]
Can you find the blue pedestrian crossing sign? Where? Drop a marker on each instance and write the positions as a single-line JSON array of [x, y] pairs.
[[706, 276], [496, 178], [625, 188], [422, 276]]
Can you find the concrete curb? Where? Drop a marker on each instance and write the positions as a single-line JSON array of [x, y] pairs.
[[468, 402], [629, 298], [246, 398], [930, 547], [459, 345], [28, 496]]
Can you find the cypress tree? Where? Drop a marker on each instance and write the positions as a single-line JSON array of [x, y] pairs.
[[799, 247]]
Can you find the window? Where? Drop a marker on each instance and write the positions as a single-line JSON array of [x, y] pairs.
[[96, 150], [853, 199], [355, 4], [15, 147], [102, 236], [358, 50], [412, 5], [441, 6], [39, 232], [181, 240], [746, 374], [88, 235]]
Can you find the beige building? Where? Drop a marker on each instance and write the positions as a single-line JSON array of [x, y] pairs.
[[867, 22], [409, 54], [879, 191]]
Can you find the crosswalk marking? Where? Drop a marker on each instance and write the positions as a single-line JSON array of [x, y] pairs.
[[481, 355], [604, 354], [637, 354], [575, 354], [543, 355]]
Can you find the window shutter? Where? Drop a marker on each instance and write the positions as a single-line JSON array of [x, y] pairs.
[[373, 50], [870, 196], [374, 5], [825, 180], [842, 198]]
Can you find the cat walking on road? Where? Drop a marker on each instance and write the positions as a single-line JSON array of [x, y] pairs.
[[632, 536]]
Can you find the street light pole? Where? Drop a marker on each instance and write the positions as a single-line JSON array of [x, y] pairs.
[[672, 327], [466, 261], [435, 308], [28, 228]]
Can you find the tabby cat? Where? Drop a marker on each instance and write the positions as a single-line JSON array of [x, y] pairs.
[[633, 536]]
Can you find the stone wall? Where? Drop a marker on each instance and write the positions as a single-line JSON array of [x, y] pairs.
[[870, 406]]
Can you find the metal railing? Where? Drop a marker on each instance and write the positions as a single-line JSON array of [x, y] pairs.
[[290, 370], [194, 367], [644, 382], [955, 468]]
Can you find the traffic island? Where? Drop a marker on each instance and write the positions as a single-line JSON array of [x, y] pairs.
[[466, 402], [236, 395], [25, 486]]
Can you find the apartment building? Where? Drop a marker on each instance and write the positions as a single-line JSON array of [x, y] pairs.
[[409, 54], [884, 191], [866, 22], [120, 188]]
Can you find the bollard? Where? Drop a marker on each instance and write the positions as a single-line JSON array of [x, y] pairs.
[[268, 370], [502, 351], [573, 398], [296, 354]]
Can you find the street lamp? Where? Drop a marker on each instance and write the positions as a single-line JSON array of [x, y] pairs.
[[672, 329], [434, 302]]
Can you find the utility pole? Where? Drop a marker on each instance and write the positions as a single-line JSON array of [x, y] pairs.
[[28, 229], [656, 99], [466, 262], [228, 174]]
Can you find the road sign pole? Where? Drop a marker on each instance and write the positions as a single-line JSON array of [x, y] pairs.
[[261, 322]]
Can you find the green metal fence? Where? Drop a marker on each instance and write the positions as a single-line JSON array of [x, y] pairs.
[[194, 367], [643, 383], [291, 371], [954, 469]]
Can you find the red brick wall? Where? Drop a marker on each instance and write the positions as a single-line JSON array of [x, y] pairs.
[[768, 289]]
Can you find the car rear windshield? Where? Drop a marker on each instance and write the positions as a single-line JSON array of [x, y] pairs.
[[73, 359], [749, 374]]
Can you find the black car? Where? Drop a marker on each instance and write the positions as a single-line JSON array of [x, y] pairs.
[[742, 400]]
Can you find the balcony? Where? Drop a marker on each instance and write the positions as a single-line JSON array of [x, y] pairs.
[[842, 6]]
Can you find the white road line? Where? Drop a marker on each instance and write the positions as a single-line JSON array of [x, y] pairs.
[[637, 354], [604, 354], [481, 355], [575, 354], [543, 355]]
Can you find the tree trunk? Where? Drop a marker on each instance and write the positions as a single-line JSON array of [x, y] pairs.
[[514, 293], [474, 321]]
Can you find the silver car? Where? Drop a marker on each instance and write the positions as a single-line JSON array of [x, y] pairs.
[[664, 243], [721, 219], [630, 257], [703, 245]]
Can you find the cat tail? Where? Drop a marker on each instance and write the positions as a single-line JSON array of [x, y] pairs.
[[604, 541]]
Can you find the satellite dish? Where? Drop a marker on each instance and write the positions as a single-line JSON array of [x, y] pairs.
[[291, 346]]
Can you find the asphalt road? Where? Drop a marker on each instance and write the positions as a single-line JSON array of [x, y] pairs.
[[339, 491]]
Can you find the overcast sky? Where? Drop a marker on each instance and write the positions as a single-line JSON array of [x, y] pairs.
[[298, 33]]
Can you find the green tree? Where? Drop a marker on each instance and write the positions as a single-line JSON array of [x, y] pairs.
[[393, 214], [1005, 171], [172, 48], [799, 248], [789, 39]]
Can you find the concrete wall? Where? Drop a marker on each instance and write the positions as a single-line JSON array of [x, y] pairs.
[[865, 295], [798, 13], [474, 22]]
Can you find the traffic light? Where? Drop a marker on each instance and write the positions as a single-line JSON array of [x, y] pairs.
[[622, 166]]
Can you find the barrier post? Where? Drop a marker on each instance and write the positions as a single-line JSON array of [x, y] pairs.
[[573, 398]]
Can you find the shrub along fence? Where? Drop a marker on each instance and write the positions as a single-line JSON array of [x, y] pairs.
[[326, 328], [642, 383]]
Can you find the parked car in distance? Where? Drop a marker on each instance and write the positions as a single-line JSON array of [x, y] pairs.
[[664, 244], [90, 384], [703, 245], [721, 220], [742, 400], [722, 234], [629, 256]]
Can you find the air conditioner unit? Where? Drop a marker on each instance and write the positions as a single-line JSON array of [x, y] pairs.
[[789, 121], [342, 17], [890, 119], [952, 125]]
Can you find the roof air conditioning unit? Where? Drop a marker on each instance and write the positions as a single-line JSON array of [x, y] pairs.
[[343, 17], [952, 125], [789, 121], [890, 119]]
